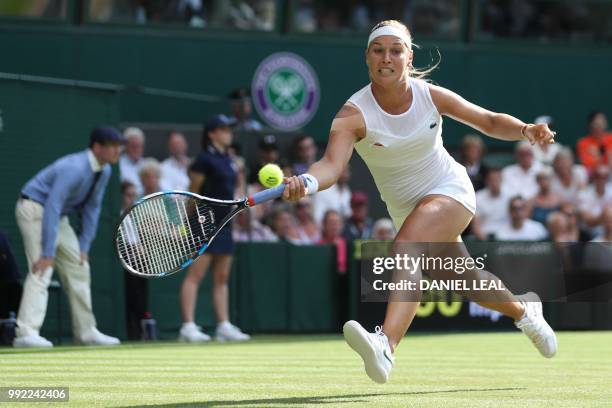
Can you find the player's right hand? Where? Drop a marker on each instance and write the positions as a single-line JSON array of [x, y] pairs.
[[294, 188]]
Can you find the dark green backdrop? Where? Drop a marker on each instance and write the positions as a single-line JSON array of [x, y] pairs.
[[522, 79]]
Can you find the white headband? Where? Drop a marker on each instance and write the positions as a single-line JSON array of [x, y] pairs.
[[390, 30]]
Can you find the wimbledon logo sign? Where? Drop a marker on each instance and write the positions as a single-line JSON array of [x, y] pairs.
[[285, 91]]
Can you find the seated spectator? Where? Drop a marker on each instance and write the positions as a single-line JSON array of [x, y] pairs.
[[283, 225], [149, 175], [472, 149], [595, 148], [267, 153], [545, 201], [332, 234], [383, 230], [337, 197], [569, 179], [558, 227], [574, 232], [305, 154], [594, 198], [491, 206], [242, 111], [174, 168], [606, 221], [307, 228], [129, 163], [545, 153], [359, 225], [520, 178], [520, 228], [247, 228]]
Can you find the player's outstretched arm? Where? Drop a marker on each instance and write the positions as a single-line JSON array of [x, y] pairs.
[[497, 125], [347, 128]]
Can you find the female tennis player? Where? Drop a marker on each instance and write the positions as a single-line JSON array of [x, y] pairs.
[[395, 124]]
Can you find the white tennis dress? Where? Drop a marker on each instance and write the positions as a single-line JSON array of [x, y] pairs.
[[405, 153]]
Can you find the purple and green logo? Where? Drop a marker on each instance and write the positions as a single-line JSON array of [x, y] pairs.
[[285, 91]]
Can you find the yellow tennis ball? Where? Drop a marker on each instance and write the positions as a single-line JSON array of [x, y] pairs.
[[270, 175]]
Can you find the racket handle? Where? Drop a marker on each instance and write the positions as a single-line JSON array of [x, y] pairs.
[[276, 192]]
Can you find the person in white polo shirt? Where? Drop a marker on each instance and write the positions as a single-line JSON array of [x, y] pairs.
[[519, 227], [520, 178], [491, 206]]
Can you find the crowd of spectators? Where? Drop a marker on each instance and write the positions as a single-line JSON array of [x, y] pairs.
[[546, 194]]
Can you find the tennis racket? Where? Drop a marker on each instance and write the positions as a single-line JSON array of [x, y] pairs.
[[163, 233]]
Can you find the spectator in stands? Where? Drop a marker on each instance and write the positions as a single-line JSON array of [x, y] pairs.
[[242, 110], [558, 227], [520, 228], [545, 154], [520, 178], [267, 153], [150, 174], [331, 233], [596, 147], [212, 174], [383, 230], [174, 168], [491, 206], [606, 221], [569, 179], [72, 184], [359, 224], [284, 226], [129, 163], [307, 228], [305, 153], [247, 228], [545, 201], [337, 197], [472, 149], [594, 198], [574, 232]]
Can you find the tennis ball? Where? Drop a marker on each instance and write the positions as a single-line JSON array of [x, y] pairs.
[[270, 175]]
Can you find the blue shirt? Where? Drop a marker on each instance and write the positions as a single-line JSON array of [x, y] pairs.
[[219, 171], [61, 188]]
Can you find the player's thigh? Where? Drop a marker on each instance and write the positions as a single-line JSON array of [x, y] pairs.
[[436, 218]]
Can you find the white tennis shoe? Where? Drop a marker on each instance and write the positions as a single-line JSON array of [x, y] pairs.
[[228, 332], [93, 337], [373, 348], [31, 341], [191, 333], [535, 326]]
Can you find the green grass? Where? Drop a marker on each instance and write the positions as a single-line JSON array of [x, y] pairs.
[[450, 370]]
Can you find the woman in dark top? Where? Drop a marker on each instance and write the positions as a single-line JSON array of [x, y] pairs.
[[213, 174]]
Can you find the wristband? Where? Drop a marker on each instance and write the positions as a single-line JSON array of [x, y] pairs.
[[311, 182]]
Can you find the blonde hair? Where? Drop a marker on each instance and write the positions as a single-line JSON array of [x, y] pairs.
[[418, 73]]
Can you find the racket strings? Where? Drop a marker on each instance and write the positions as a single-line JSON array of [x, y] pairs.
[[163, 233]]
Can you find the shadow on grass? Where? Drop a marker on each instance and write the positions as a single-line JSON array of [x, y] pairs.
[[330, 399]]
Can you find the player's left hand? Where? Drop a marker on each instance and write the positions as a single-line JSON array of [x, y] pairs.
[[540, 134], [84, 258]]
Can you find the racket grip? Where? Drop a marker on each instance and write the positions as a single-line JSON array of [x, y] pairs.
[[276, 192], [266, 195]]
